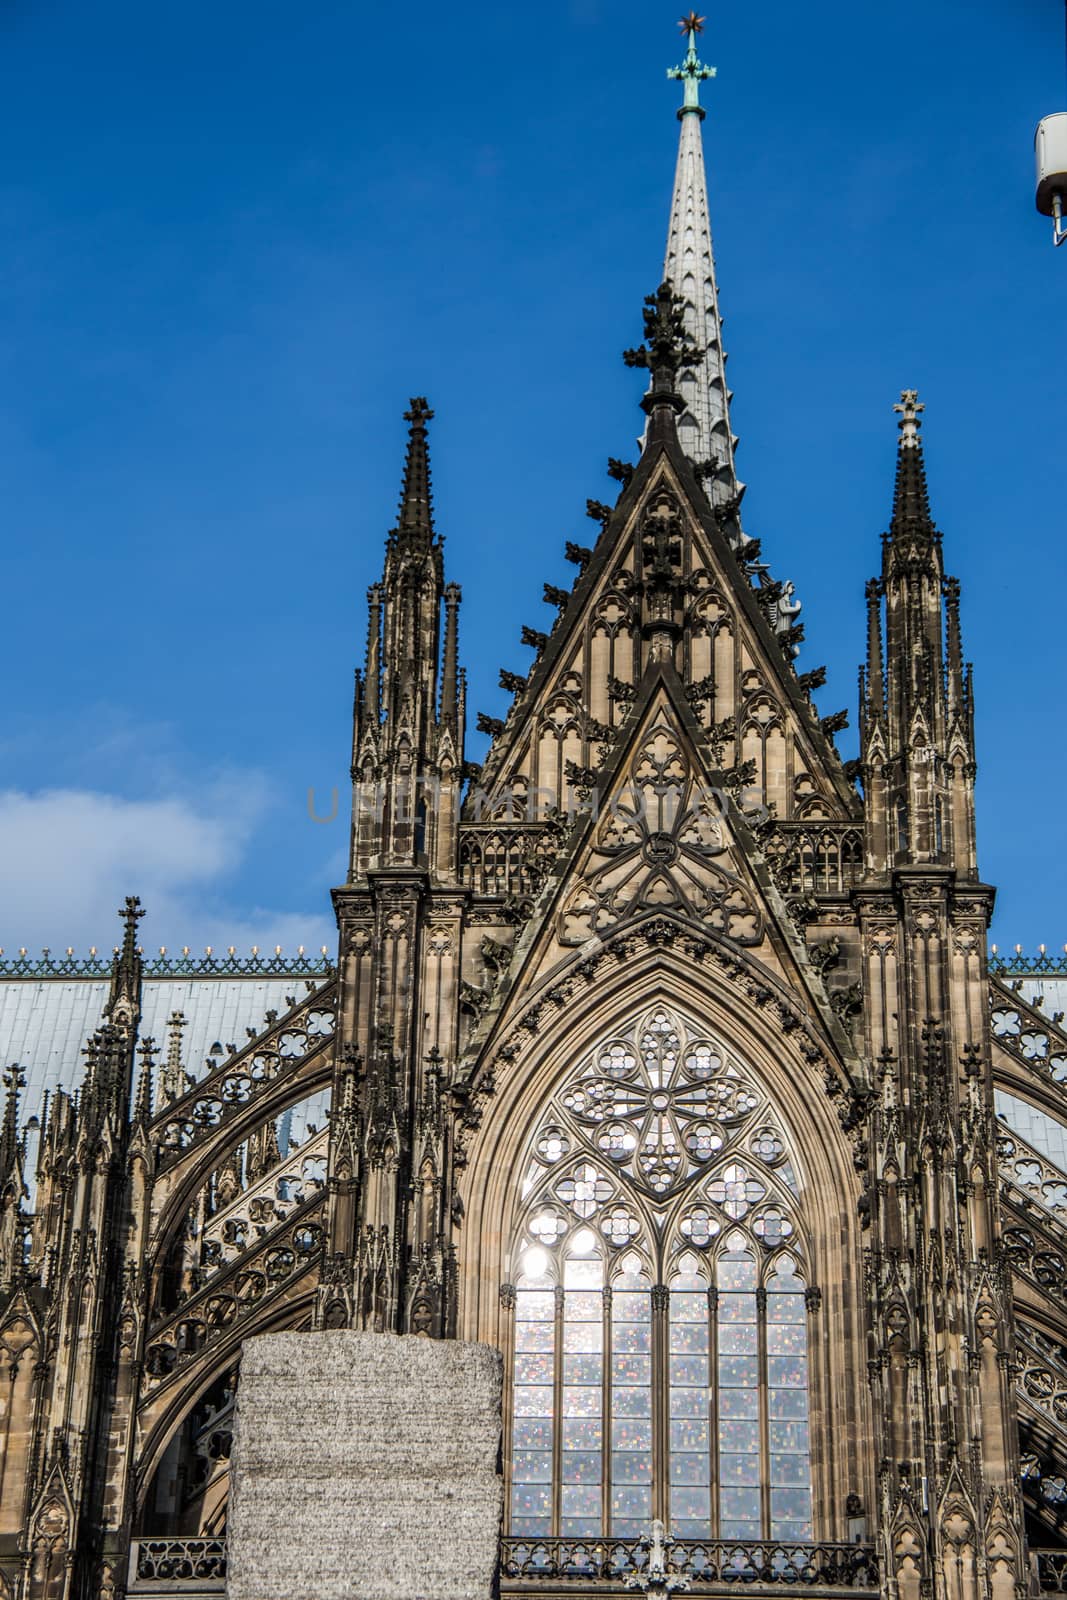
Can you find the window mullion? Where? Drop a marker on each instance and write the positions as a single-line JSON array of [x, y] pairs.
[[508, 1304], [713, 1407], [557, 1410], [764, 1423], [661, 1489], [607, 1380]]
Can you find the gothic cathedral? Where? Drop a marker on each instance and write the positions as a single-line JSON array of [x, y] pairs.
[[661, 1051]]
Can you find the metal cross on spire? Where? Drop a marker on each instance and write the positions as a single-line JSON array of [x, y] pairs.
[[910, 408], [692, 70]]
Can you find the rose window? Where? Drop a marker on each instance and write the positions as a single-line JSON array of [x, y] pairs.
[[661, 1106]]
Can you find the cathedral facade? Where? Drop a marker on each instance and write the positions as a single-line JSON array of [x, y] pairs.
[[662, 1051]]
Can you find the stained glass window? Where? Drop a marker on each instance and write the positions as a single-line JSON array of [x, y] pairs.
[[660, 1350]]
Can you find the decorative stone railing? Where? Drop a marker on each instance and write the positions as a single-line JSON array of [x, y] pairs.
[[201, 1563], [1027, 1170], [1032, 1251], [193, 1563], [225, 1092], [1048, 1570], [701, 1561], [1035, 1040], [237, 1228], [1041, 1376], [285, 1253], [814, 858], [508, 859]]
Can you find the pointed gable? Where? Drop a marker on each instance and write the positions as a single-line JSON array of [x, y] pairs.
[[664, 565]]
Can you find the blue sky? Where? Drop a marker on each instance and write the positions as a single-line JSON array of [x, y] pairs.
[[237, 238]]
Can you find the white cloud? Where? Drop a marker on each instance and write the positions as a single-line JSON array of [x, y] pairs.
[[69, 856]]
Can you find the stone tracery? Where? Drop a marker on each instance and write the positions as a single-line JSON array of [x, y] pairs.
[[660, 1338]]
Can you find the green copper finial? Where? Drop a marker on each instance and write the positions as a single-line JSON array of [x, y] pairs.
[[691, 71]]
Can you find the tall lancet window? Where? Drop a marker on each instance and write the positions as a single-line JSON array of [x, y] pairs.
[[659, 1360]]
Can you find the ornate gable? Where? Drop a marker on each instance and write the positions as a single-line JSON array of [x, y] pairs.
[[664, 580]]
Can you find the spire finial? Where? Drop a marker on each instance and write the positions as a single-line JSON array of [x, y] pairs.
[[131, 914], [13, 1079], [910, 408], [692, 70], [668, 349], [416, 505]]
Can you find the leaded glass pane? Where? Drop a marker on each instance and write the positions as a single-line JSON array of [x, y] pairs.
[[787, 1403], [532, 1433], [739, 1469], [581, 1400], [689, 1433], [532, 1402], [581, 1433], [786, 1339], [633, 1336], [533, 1369], [789, 1436], [535, 1336], [532, 1466], [794, 1503], [738, 1338], [738, 1372], [631, 1433], [531, 1500], [787, 1372], [690, 1337], [738, 1403], [581, 1500], [789, 1471], [631, 1369], [631, 1402], [741, 1503], [582, 1369], [631, 1466], [690, 1469], [631, 1509], [691, 1503], [689, 1403], [688, 1371], [583, 1336], [581, 1466], [631, 1407], [741, 1437]]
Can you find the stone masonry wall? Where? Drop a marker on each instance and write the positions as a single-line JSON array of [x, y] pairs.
[[366, 1467]]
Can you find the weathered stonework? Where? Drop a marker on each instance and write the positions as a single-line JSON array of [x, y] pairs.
[[366, 1466]]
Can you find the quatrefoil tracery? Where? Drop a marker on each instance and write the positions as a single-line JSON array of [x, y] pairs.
[[658, 1109]]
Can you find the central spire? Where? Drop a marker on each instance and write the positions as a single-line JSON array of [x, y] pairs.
[[689, 268]]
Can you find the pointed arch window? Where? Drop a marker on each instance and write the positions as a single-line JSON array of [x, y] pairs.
[[659, 1363]]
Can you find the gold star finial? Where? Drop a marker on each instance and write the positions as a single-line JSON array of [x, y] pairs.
[[692, 23]]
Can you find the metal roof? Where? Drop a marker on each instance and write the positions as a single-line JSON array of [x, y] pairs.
[[45, 1022]]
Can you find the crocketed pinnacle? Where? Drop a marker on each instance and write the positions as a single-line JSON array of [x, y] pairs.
[[14, 1079], [415, 527], [667, 353], [911, 501], [689, 268]]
